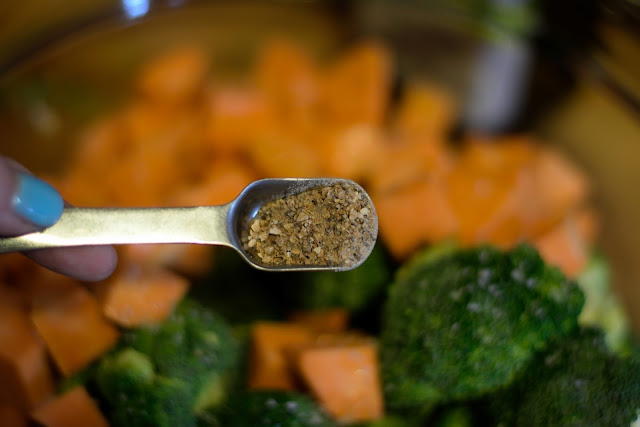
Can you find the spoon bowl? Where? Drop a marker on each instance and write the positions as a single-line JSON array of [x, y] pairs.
[[245, 207]]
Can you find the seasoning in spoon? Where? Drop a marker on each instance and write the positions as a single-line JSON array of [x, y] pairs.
[[324, 226]]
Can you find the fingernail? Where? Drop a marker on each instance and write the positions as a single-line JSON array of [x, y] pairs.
[[37, 202]]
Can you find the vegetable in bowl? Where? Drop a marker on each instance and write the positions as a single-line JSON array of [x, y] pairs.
[[462, 325], [463, 320]]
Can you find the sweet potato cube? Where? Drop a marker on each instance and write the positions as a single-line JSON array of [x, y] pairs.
[[332, 320], [143, 296], [414, 215], [568, 245], [25, 372], [345, 379], [73, 328], [75, 408], [272, 345]]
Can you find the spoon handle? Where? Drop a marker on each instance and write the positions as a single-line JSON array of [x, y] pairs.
[[106, 226]]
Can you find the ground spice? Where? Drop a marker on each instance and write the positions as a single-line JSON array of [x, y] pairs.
[[325, 226]]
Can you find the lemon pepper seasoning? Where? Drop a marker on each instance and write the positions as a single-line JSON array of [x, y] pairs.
[[325, 226]]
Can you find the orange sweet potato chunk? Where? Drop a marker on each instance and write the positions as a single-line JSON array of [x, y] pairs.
[[491, 189], [560, 187], [25, 372], [356, 88], [568, 245], [75, 408], [406, 161], [414, 215], [345, 379], [142, 296], [176, 76], [328, 321], [187, 259], [73, 328], [284, 154], [272, 344], [354, 152], [225, 178], [237, 116], [288, 77], [425, 110]]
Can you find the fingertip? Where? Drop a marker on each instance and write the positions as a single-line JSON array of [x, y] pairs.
[[89, 264], [108, 266], [27, 203], [37, 201]]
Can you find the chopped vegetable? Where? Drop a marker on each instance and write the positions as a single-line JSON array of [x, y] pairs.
[[462, 325], [353, 152], [353, 290], [74, 329], [270, 408], [136, 396], [288, 77], [272, 346], [345, 379], [461, 320], [26, 376], [330, 320], [414, 216], [357, 86], [459, 416], [425, 109], [231, 108], [75, 407], [175, 77], [568, 244], [138, 296], [602, 307], [576, 382], [165, 375]]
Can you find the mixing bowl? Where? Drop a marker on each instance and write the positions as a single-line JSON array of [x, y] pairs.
[[575, 86]]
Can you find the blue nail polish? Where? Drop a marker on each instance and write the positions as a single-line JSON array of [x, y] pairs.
[[36, 201]]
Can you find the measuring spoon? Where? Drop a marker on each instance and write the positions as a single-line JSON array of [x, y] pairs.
[[208, 225]]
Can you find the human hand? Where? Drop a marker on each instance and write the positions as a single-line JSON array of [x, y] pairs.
[[29, 204]]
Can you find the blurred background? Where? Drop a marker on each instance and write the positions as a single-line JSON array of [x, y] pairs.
[[568, 72]]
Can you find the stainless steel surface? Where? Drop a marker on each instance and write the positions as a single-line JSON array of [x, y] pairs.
[[206, 225]]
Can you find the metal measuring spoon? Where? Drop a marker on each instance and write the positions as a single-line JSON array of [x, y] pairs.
[[209, 225]]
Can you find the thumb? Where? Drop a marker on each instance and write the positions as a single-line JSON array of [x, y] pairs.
[[26, 203]]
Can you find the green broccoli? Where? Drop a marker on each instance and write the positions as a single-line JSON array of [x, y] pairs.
[[390, 421], [465, 323], [578, 382], [270, 408], [353, 289], [241, 294], [458, 416], [602, 307], [136, 396], [165, 375]]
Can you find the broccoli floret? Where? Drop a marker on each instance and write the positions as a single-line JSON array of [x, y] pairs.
[[602, 307], [426, 256], [390, 421], [578, 382], [167, 374], [459, 416], [353, 289], [136, 396], [461, 325], [230, 283], [271, 408]]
